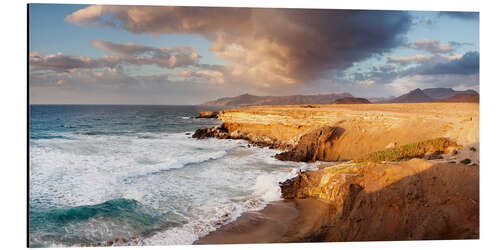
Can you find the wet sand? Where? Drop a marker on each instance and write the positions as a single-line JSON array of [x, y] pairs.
[[280, 221]]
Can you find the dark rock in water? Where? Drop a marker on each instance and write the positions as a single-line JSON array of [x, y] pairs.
[[188, 133], [313, 146], [208, 114], [215, 132]]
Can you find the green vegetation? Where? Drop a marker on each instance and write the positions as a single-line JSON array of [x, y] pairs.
[[412, 150], [465, 161]]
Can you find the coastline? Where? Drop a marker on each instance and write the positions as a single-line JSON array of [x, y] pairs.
[[407, 172], [279, 222]]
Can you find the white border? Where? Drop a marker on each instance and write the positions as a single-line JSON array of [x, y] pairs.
[[13, 113]]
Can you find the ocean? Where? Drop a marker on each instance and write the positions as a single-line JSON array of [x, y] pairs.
[[99, 173]]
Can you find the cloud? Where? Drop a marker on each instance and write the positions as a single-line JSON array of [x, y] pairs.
[[299, 47], [369, 82], [409, 59], [62, 63], [128, 54], [468, 64], [461, 15], [210, 76], [429, 67], [432, 46], [423, 58], [138, 54]]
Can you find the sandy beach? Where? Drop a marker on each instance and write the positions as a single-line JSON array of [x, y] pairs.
[[280, 221]]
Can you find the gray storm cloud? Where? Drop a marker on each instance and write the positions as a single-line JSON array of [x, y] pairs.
[[263, 45]]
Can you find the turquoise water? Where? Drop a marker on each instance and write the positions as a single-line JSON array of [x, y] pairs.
[[99, 173]]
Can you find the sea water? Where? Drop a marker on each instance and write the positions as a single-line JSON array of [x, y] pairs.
[[101, 173]]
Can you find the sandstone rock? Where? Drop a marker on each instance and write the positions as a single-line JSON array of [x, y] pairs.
[[313, 146], [413, 200]]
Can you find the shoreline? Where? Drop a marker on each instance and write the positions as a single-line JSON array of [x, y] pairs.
[[279, 222], [406, 172]]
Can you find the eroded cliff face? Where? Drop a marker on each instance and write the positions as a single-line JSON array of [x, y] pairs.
[[379, 192], [411, 200], [359, 129]]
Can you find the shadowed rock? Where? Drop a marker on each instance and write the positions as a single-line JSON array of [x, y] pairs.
[[313, 146], [413, 200]]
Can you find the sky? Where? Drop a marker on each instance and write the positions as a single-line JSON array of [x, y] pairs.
[[98, 54]]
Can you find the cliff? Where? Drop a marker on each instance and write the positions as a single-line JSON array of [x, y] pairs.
[[359, 129], [407, 171], [411, 200]]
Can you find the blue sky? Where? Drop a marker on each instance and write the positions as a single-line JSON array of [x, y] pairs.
[[169, 55]]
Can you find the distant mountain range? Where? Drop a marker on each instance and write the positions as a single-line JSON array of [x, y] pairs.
[[414, 96], [432, 94], [247, 100]]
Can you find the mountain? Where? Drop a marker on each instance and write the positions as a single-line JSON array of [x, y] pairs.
[[442, 93], [351, 100], [416, 95], [462, 98], [247, 100]]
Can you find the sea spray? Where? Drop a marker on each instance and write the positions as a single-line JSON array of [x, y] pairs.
[[134, 173]]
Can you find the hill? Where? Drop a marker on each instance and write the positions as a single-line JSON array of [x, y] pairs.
[[248, 100], [462, 98], [351, 100], [442, 93], [414, 96]]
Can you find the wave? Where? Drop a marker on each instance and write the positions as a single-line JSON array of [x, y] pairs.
[[86, 224], [171, 164]]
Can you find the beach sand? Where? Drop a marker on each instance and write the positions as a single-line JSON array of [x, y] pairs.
[[279, 221]]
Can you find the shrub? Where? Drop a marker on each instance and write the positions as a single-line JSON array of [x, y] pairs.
[[412, 150], [465, 161]]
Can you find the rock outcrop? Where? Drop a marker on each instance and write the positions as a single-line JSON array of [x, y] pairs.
[[412, 200], [360, 129], [313, 146], [208, 114]]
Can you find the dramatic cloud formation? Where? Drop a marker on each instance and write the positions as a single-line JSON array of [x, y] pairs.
[[432, 46], [299, 46], [251, 50]]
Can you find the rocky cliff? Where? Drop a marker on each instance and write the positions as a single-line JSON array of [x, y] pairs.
[[409, 171], [359, 129], [411, 200]]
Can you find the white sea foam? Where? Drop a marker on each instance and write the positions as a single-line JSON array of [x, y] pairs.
[[205, 183]]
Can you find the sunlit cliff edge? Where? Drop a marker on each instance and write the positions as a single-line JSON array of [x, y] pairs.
[[433, 197]]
